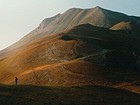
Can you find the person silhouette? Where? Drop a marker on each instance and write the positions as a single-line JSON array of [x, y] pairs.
[[16, 80]]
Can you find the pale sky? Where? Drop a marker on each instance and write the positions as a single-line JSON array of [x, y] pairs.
[[19, 17]]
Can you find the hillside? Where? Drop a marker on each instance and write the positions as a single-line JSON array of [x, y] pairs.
[[131, 28], [84, 95], [77, 54]]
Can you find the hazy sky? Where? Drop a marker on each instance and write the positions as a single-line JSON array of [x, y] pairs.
[[19, 17]]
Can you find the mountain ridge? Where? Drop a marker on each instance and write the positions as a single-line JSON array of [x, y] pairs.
[[94, 16]]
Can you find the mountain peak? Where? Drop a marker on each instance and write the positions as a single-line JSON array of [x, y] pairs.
[[98, 7], [96, 16]]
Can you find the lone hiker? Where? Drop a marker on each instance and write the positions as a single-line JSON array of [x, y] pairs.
[[16, 80]]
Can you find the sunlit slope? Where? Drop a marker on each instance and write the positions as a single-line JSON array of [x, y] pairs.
[[131, 28], [73, 57]]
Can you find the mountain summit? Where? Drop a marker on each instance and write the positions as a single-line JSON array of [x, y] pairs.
[[96, 16], [75, 16]]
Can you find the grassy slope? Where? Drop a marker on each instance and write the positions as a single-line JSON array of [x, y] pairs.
[[85, 95], [65, 48]]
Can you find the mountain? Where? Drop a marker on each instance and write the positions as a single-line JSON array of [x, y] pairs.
[[78, 47], [75, 16], [73, 57], [96, 16]]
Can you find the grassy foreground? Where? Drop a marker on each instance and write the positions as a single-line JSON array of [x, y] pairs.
[[85, 95]]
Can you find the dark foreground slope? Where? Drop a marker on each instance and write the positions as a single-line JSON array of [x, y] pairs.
[[85, 95]]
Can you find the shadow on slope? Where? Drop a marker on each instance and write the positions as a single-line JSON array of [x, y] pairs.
[[83, 95]]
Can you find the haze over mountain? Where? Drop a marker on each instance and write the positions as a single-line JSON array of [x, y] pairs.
[[78, 47]]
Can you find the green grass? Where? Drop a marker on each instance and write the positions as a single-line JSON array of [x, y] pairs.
[[85, 95]]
